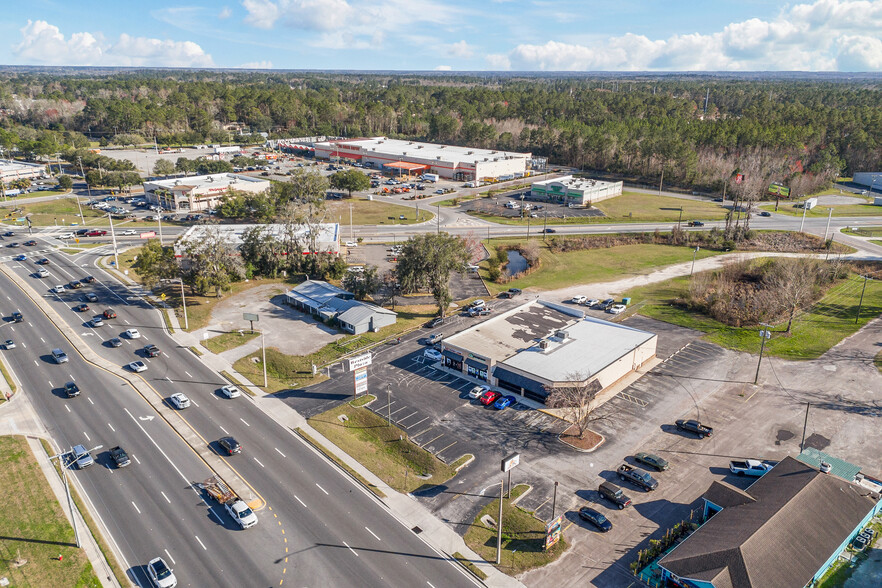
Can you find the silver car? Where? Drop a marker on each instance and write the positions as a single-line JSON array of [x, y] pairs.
[[81, 457]]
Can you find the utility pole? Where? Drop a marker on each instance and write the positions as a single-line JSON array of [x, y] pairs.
[[861, 303], [113, 237], [439, 219], [159, 216], [544, 225], [499, 523], [804, 427], [680, 218], [88, 189], [263, 345], [350, 222], [389, 406], [801, 224], [763, 335], [554, 502], [184, 302], [694, 253], [829, 218]]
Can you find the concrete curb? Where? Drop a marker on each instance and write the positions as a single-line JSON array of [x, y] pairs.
[[187, 433]]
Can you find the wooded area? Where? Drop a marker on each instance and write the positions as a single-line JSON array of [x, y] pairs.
[[801, 133]]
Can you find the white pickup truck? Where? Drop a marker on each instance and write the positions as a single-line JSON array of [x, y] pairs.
[[750, 467]]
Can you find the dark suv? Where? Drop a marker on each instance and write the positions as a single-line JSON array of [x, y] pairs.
[[614, 494], [16, 316]]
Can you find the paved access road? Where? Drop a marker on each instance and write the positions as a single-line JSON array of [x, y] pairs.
[[328, 529]]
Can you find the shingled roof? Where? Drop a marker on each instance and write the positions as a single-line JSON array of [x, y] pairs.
[[779, 532]]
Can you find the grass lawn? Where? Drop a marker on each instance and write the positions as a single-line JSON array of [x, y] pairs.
[[365, 436], [228, 341], [35, 528], [841, 571], [558, 270], [814, 331], [864, 231], [375, 212], [290, 371], [64, 212], [820, 211], [340, 463], [523, 537]]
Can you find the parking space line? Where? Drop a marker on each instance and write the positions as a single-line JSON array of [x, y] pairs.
[[437, 453], [399, 409], [418, 422], [420, 433], [399, 421], [435, 439]]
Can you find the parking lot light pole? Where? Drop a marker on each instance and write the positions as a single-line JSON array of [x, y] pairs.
[[554, 502], [263, 345], [113, 238], [694, 253], [389, 406], [829, 217], [184, 303], [763, 335], [802, 223], [499, 523]]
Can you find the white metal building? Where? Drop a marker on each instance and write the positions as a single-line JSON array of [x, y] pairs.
[[575, 191], [448, 161], [197, 193], [11, 170], [872, 180], [326, 241], [539, 345]]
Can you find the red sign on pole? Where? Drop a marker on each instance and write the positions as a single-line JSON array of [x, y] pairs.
[[148, 235], [739, 178]]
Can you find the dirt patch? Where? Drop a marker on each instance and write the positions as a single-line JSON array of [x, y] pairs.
[[589, 441]]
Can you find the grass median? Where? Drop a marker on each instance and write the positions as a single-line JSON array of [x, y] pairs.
[[384, 450], [228, 341], [815, 330], [34, 528], [523, 537]]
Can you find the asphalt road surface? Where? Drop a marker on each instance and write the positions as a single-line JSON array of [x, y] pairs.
[[318, 526]]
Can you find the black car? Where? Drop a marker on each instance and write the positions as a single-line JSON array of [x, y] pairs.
[[16, 317], [595, 518], [765, 213], [230, 445], [74, 284], [548, 231], [515, 291], [81, 232], [71, 389], [506, 294], [30, 243], [436, 322], [81, 307], [43, 261], [88, 279], [151, 351], [696, 224], [607, 303], [9, 234]]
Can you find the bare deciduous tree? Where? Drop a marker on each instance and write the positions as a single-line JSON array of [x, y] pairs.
[[795, 282], [577, 398]]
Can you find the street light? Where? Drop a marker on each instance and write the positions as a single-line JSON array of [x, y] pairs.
[[113, 237], [64, 467], [694, 253], [763, 335]]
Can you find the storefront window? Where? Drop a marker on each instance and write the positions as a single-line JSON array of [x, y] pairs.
[[453, 364], [474, 372]]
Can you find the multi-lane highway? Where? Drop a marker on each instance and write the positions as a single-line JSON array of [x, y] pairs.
[[316, 525]]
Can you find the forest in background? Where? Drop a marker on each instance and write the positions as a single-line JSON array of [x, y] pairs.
[[690, 130]]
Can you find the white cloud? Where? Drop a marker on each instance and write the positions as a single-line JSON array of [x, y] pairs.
[[460, 49], [225, 13], [817, 36], [443, 68], [344, 24], [498, 62], [43, 43], [256, 65]]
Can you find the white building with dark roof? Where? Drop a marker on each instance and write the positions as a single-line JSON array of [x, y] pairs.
[[448, 161], [328, 302], [537, 346], [195, 193]]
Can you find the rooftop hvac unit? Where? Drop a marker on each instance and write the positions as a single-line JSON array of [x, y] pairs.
[[543, 344], [470, 153], [825, 467], [562, 335], [438, 157]]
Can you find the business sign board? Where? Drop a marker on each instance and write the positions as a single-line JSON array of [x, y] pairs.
[[249, 316], [510, 462], [553, 532], [779, 190], [148, 235], [357, 362], [361, 381]]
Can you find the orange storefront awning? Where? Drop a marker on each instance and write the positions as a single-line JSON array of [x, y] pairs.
[[404, 165]]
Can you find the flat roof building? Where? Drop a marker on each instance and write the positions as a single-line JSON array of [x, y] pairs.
[[195, 193], [575, 191], [327, 240], [541, 345], [448, 161], [11, 170]]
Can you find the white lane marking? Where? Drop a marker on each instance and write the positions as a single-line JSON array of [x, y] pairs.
[[349, 548], [430, 584], [164, 496], [243, 420], [126, 322], [224, 430], [35, 362], [170, 556], [90, 401], [322, 489], [30, 325], [88, 439], [67, 407], [200, 542], [300, 501], [24, 345], [42, 339], [165, 354], [374, 534], [136, 459], [111, 427], [72, 379], [50, 383], [167, 378], [194, 403], [258, 462], [136, 507], [188, 374], [279, 452]]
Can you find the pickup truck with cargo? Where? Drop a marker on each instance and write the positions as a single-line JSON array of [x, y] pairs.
[[234, 505], [750, 467], [695, 427], [120, 457], [637, 477]]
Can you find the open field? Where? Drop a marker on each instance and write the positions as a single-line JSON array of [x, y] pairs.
[[864, 231], [227, 341], [36, 529], [814, 331], [558, 270], [64, 212], [819, 211], [384, 450], [374, 212]]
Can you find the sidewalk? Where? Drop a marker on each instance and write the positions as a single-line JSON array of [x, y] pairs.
[[17, 417]]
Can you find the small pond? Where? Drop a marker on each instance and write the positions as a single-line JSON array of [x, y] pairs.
[[517, 263]]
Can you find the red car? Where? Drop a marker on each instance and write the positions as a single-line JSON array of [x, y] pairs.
[[96, 233], [489, 397]]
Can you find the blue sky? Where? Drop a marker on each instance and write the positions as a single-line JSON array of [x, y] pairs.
[[516, 35]]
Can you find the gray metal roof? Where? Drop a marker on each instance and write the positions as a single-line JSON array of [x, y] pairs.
[[318, 292], [361, 312], [590, 346]]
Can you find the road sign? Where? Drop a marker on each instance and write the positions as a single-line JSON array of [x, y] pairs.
[[162, 296], [148, 235], [552, 532], [512, 461], [250, 316], [361, 383], [357, 362]]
